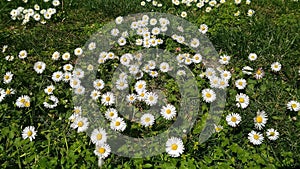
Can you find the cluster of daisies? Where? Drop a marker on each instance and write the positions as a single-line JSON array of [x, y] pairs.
[[208, 5], [36, 13]]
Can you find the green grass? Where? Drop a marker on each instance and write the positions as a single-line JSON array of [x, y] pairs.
[[272, 33]]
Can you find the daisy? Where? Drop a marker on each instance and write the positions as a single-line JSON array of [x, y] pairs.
[[131, 98], [39, 67], [260, 120], [242, 100], [119, 20], [7, 77], [55, 3], [194, 43], [95, 94], [252, 56], [255, 138], [250, 12], [168, 112], [276, 66], [240, 84], [223, 83], [53, 105], [121, 84], [237, 1], [197, 58], [247, 70], [233, 119], [164, 67], [259, 73], [29, 132], [80, 123], [68, 67], [151, 98], [77, 110], [208, 95], [224, 60], [272, 134], [203, 28], [22, 54], [9, 91], [117, 124], [210, 72], [226, 75], [75, 83], [92, 46], [133, 69], [66, 56], [108, 99], [183, 14], [79, 90], [49, 89], [23, 101], [174, 147], [111, 113], [142, 95], [293, 105], [147, 120], [55, 55], [102, 150], [122, 41], [2, 94], [214, 82], [57, 76], [98, 84], [98, 136], [181, 73], [79, 73], [218, 128], [78, 51], [140, 85]]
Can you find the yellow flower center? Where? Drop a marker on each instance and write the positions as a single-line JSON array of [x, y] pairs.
[[224, 59], [241, 100], [80, 124], [99, 136], [6, 77], [8, 91], [39, 66], [174, 146], [258, 72], [276, 66], [22, 100], [240, 83], [294, 105], [57, 76], [77, 111], [27, 104], [107, 99], [49, 90], [233, 119], [111, 114], [140, 86], [101, 150], [29, 133], [151, 98], [168, 111], [272, 133], [256, 137], [259, 119], [117, 123], [208, 95], [147, 119]]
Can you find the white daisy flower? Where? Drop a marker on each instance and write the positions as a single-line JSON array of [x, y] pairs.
[[23, 101], [98, 84], [77, 110], [75, 83], [223, 83], [78, 73], [22, 54], [68, 67], [140, 85], [102, 150], [39, 67], [174, 147], [237, 1], [108, 99], [168, 112], [131, 98], [122, 41], [218, 128], [250, 12], [255, 138], [78, 51], [252, 56], [66, 56], [133, 69], [224, 60], [119, 20], [92, 46], [98, 136], [164, 67], [153, 73], [276, 66], [7, 77], [233, 119], [111, 113], [293, 105], [151, 98], [259, 73], [57, 76], [121, 84], [225, 74], [53, 105], [208, 95], [55, 3], [117, 124], [260, 120], [210, 72], [241, 84], [29, 132], [49, 89], [203, 28], [242, 100], [2, 94], [79, 90], [147, 120], [142, 95], [80, 123], [55, 55], [95, 94], [272, 134], [197, 58], [195, 43]]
